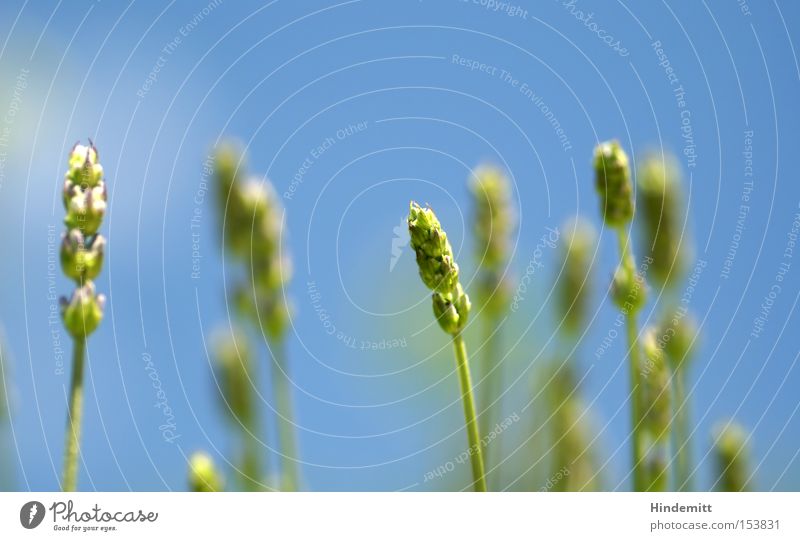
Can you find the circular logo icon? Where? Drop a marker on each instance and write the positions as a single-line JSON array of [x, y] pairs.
[[31, 514]]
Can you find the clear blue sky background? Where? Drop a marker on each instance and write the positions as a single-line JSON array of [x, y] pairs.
[[285, 76]]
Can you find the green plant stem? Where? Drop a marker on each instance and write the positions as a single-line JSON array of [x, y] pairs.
[[74, 418], [684, 481], [632, 333], [251, 460], [492, 389], [286, 434], [473, 433]]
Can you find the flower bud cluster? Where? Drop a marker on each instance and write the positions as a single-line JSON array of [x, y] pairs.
[[82, 247], [253, 227], [613, 183], [494, 221], [438, 269]]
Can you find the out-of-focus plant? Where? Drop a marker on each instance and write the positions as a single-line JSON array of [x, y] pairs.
[[732, 457], [493, 224], [203, 474], [570, 429], [253, 227], [6, 467], [661, 221], [451, 306], [571, 433], [656, 415], [615, 187], [82, 249], [234, 375]]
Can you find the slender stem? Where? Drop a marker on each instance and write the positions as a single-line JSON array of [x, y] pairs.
[[74, 418], [491, 390], [286, 434], [684, 481], [473, 433], [251, 460], [626, 259]]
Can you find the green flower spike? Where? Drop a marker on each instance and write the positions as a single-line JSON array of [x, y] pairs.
[[613, 183], [660, 201], [233, 362], [253, 221], [730, 445], [84, 166], [437, 268], [628, 289], [451, 306], [86, 208], [494, 217], [574, 284], [203, 474], [682, 340], [451, 310], [81, 258], [83, 312], [494, 220]]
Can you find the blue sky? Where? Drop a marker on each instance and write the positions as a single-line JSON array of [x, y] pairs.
[[366, 105]]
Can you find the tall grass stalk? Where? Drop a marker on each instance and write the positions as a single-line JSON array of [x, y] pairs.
[[570, 432], [285, 407], [473, 432], [253, 230], [451, 306], [232, 356], [493, 223], [656, 415], [615, 187], [82, 250], [661, 223]]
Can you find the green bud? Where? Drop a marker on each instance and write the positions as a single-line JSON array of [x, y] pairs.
[[628, 289], [203, 475], [83, 312], [613, 183], [81, 259], [660, 201], [494, 216], [451, 309], [437, 268], [84, 166], [86, 208], [574, 283], [730, 446], [233, 360], [682, 340]]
